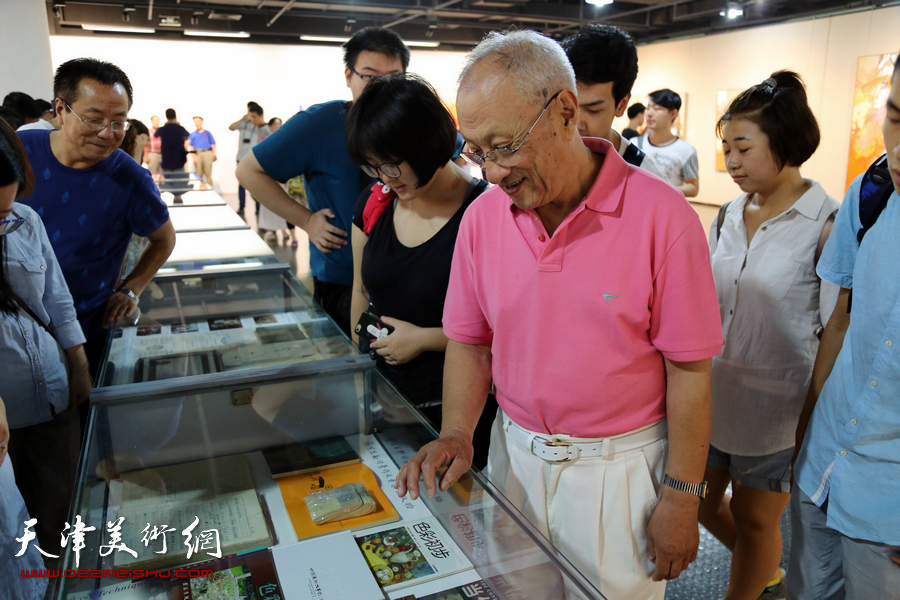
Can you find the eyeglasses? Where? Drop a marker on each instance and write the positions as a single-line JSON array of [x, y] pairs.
[[505, 157], [387, 168], [370, 76], [10, 223], [98, 125]]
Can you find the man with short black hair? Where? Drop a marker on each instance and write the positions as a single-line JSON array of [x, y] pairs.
[[605, 61], [313, 143], [675, 160], [635, 114], [93, 197], [250, 128], [174, 143], [844, 512], [28, 109]]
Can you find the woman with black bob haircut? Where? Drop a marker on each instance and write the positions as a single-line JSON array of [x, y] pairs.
[[404, 232], [763, 248], [41, 350]]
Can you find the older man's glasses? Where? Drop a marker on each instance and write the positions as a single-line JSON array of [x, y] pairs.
[[505, 157], [98, 125], [388, 169], [10, 223]]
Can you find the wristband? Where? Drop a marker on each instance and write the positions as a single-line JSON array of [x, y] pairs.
[[697, 489]]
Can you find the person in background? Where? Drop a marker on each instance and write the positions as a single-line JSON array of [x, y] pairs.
[[153, 149], [93, 198], [771, 305], [635, 120], [28, 109], [675, 160], [401, 258], [202, 143], [845, 540], [42, 351], [313, 143], [600, 366], [47, 112], [173, 143], [249, 127], [274, 124], [135, 140], [13, 118], [605, 61]]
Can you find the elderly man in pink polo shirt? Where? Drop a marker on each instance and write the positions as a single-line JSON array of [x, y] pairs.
[[581, 287]]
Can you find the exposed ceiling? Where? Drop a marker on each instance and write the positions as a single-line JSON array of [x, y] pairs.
[[454, 24]]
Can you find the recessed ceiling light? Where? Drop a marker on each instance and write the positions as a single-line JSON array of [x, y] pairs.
[[323, 38], [224, 34], [114, 29], [599, 2]]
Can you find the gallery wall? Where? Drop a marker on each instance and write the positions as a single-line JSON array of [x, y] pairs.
[[824, 51], [217, 79]]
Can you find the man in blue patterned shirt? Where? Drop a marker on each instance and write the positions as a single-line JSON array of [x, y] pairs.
[[845, 507], [92, 197]]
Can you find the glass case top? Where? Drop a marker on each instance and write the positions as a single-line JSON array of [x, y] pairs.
[[222, 323], [205, 218], [209, 465]]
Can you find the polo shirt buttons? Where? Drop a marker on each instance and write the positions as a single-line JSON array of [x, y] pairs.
[[843, 453], [853, 421], [541, 237], [889, 343], [874, 383], [764, 227]]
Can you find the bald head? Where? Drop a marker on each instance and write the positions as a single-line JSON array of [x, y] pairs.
[[536, 65]]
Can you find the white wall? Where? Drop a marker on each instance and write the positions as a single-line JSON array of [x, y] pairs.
[[825, 53], [25, 48], [216, 80]]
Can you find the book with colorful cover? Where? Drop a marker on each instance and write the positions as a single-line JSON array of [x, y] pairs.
[[411, 553], [248, 576], [295, 459], [296, 487]]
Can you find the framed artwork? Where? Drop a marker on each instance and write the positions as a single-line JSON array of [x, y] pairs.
[[873, 86], [723, 99]]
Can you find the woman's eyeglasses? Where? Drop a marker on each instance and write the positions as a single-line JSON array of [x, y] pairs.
[[388, 169]]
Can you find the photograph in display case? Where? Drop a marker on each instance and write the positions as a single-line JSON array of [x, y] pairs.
[[873, 86], [173, 366]]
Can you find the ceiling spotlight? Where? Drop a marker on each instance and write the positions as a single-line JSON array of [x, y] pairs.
[[732, 12], [599, 2]]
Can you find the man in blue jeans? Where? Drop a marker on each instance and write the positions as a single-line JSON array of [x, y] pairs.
[[845, 507]]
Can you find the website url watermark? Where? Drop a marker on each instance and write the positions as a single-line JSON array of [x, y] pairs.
[[122, 573]]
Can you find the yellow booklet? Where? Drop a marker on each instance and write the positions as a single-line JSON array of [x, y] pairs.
[[295, 488]]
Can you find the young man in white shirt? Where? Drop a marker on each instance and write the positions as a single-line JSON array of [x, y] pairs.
[[675, 159]]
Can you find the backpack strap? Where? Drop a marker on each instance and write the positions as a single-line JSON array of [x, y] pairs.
[[381, 195], [874, 192], [720, 219]]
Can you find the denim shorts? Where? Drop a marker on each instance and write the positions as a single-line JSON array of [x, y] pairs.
[[770, 473]]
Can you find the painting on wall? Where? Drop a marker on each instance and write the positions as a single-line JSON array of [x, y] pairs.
[[723, 99], [873, 86]]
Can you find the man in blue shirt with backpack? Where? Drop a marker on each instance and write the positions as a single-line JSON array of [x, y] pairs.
[[844, 506]]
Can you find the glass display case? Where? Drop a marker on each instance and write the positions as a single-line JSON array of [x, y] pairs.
[[190, 218], [222, 322], [205, 251], [169, 479]]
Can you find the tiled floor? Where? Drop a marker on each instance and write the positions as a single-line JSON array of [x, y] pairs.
[[707, 577]]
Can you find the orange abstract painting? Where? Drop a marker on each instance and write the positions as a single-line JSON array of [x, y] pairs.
[[873, 86]]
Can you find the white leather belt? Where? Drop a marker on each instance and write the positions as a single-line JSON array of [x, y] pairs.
[[562, 448]]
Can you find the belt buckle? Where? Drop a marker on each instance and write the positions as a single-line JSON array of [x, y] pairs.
[[557, 443]]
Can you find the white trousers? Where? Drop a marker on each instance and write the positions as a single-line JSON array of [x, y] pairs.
[[594, 510]]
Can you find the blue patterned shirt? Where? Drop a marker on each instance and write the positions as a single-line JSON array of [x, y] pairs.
[[851, 453], [90, 215]]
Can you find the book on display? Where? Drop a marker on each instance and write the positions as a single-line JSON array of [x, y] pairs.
[[296, 459]]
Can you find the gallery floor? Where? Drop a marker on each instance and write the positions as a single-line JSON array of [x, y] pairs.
[[707, 577]]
